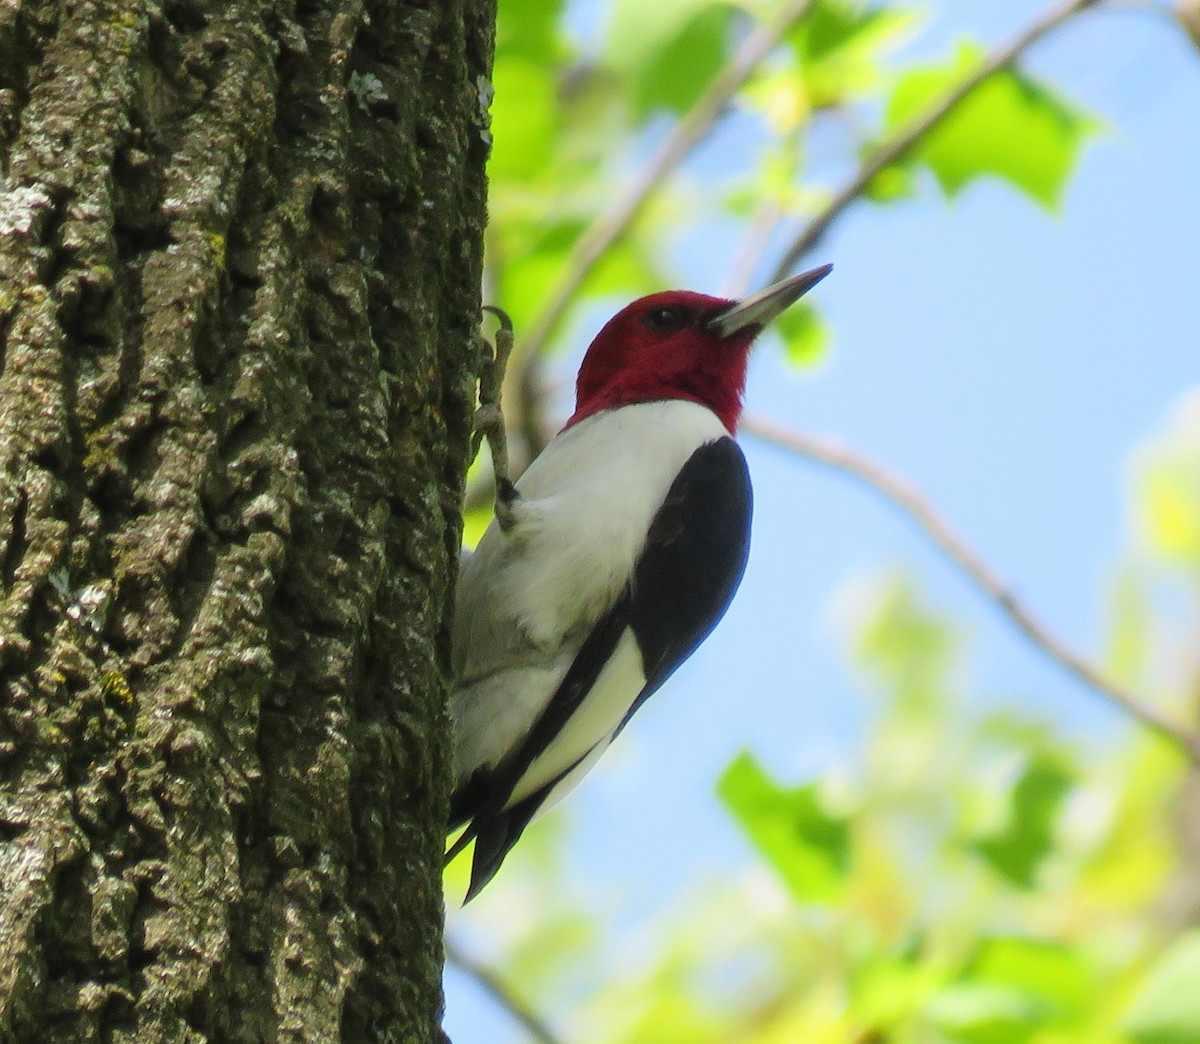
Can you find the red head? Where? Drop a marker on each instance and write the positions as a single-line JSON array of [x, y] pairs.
[[681, 345]]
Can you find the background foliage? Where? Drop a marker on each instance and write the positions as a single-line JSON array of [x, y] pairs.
[[975, 872]]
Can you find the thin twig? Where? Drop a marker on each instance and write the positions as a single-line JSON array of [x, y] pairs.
[[918, 509], [761, 228], [897, 147], [500, 993], [766, 219], [690, 131]]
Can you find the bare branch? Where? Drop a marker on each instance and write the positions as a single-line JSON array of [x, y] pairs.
[[918, 509], [500, 993], [897, 147], [690, 131]]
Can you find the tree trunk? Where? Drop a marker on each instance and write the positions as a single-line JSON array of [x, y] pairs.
[[239, 273]]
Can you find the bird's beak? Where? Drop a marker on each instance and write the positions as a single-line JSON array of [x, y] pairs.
[[759, 309]]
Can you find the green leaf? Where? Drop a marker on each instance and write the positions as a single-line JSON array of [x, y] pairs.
[[890, 185], [1055, 974], [906, 647], [475, 524], [529, 28], [808, 846], [840, 47], [1018, 848], [1010, 126], [805, 336], [523, 119], [981, 1013], [667, 51], [1129, 641], [1167, 493], [1166, 1010]]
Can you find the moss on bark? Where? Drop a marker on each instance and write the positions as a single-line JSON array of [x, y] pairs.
[[239, 266]]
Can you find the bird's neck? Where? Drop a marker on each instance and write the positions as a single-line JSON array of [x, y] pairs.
[[718, 389]]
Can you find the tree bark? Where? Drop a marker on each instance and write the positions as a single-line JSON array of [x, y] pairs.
[[239, 285]]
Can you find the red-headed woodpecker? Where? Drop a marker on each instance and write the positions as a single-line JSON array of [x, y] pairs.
[[626, 540]]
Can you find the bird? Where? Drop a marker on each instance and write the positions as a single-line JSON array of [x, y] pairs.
[[615, 555]]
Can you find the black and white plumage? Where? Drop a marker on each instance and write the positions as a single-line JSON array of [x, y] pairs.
[[629, 537]]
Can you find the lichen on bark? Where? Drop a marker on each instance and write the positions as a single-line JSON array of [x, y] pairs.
[[239, 267]]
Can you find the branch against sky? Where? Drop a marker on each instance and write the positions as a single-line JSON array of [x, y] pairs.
[[904, 141], [692, 129], [609, 227], [908, 500], [492, 985]]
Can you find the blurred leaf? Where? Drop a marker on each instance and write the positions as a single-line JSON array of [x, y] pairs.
[[1044, 969], [1018, 849], [840, 46], [887, 992], [1172, 512], [1010, 126], [523, 118], [475, 523], [890, 185], [1166, 1009], [908, 648], [625, 270], [668, 51], [534, 261], [1134, 859], [529, 28], [1129, 633], [805, 336], [781, 96], [980, 1013], [805, 844], [1168, 488]]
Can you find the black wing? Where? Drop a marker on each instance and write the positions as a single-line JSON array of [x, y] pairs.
[[691, 566]]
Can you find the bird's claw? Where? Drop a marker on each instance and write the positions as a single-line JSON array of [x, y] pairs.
[[507, 498], [489, 418]]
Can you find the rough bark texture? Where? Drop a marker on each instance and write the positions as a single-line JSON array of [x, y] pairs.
[[239, 268]]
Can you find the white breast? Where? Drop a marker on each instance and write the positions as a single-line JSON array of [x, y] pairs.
[[527, 599]]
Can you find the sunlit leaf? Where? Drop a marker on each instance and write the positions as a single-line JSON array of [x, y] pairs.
[[890, 185], [1048, 970], [523, 118], [529, 28], [805, 336], [981, 1013], [907, 647], [1168, 488], [667, 51], [806, 844], [889, 991], [1017, 849], [1172, 510], [840, 46], [781, 95], [1010, 126], [1129, 633], [1166, 1009], [475, 523]]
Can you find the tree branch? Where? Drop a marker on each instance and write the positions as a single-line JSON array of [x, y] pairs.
[[690, 131], [918, 509], [901, 144], [500, 993]]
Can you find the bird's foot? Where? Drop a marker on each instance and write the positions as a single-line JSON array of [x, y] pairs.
[[489, 418], [507, 499]]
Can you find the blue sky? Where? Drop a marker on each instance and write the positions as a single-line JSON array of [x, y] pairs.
[[1005, 362]]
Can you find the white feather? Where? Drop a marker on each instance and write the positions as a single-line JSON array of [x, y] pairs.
[[527, 599]]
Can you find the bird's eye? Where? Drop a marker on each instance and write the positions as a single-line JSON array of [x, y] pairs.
[[666, 318]]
